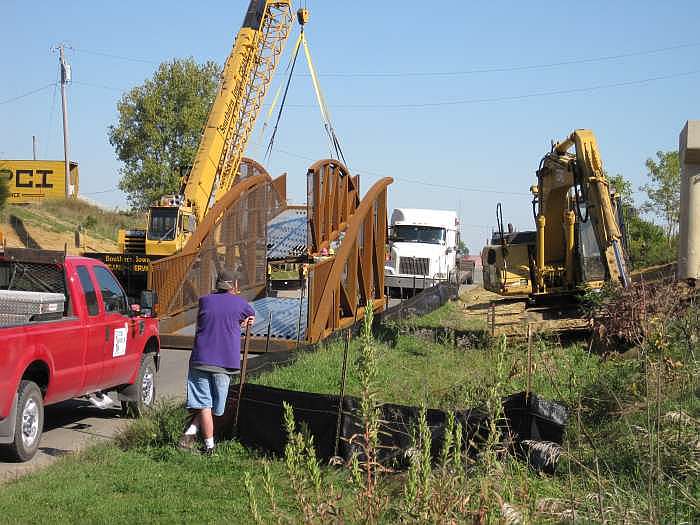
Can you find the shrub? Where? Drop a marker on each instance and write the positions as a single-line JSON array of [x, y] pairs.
[[90, 222], [161, 427]]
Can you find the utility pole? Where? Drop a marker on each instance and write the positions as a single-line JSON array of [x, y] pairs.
[[65, 79], [34, 146]]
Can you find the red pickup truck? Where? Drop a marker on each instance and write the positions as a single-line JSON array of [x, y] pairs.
[[88, 341]]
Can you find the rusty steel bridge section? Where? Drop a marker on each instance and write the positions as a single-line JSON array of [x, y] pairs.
[[345, 251]]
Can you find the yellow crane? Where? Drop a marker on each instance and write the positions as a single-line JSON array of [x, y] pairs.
[[578, 239], [245, 79]]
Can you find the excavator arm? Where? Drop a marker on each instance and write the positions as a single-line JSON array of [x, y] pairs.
[[601, 211], [573, 192]]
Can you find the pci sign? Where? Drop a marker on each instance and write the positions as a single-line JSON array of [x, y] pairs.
[[36, 180], [28, 178]]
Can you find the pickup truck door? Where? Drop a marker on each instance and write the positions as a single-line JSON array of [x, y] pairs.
[[95, 330], [122, 354]]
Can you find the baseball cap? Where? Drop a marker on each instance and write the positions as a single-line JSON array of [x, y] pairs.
[[226, 280]]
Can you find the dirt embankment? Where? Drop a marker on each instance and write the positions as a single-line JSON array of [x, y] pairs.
[[53, 226]]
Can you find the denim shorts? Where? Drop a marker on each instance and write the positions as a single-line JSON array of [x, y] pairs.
[[207, 390]]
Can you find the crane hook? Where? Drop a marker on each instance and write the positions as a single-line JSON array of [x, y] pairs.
[[303, 16]]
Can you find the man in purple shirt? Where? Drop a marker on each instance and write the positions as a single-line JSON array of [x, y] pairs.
[[216, 355]]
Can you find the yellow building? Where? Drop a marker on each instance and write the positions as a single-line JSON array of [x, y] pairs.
[[36, 180]]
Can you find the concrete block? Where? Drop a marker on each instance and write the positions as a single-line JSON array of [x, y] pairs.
[[689, 143], [689, 227]]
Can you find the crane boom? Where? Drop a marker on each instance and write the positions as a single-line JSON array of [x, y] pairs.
[[245, 78]]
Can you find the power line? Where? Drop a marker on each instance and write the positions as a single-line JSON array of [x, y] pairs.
[[49, 126], [109, 190], [99, 86], [448, 186], [485, 100], [414, 181], [508, 97], [117, 57], [506, 69], [465, 72], [28, 93]]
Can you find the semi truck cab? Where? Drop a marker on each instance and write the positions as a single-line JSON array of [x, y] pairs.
[[423, 246]]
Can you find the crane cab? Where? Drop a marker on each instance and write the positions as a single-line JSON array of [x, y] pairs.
[[169, 227]]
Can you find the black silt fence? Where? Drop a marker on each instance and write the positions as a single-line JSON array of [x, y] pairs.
[[422, 303], [261, 424]]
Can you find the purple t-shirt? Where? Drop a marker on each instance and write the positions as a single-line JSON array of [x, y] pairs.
[[217, 341]]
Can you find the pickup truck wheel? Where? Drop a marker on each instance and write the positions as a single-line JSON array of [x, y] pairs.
[[144, 389], [30, 422]]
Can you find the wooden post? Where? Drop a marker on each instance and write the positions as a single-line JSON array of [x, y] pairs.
[[529, 362], [343, 381], [269, 330], [301, 304]]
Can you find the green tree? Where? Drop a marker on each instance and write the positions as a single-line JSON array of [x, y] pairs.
[[647, 242], [664, 190], [648, 245], [159, 128], [622, 187]]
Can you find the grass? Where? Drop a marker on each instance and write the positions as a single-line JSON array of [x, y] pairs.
[[145, 485], [284, 275], [63, 216], [416, 372], [449, 315], [412, 372], [605, 472]]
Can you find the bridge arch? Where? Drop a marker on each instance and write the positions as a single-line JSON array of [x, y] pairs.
[[342, 285], [232, 236]]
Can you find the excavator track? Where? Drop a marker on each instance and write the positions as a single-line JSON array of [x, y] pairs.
[[513, 316]]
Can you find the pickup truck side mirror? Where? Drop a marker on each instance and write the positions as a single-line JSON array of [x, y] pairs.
[[149, 299]]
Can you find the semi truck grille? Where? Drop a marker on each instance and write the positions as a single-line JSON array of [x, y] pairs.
[[414, 265]]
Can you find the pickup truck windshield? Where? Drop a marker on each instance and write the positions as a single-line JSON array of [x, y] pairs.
[[425, 234], [163, 224]]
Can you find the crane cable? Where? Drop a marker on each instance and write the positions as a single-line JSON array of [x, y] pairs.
[[323, 107], [290, 69], [325, 114]]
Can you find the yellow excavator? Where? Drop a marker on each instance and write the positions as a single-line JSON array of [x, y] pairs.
[[579, 237], [245, 79]]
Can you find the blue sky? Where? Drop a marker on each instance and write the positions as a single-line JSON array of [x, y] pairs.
[[488, 132]]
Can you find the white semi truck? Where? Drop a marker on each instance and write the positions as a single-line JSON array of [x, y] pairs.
[[423, 246]]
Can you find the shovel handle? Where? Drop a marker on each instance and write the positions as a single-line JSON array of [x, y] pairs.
[[244, 368]]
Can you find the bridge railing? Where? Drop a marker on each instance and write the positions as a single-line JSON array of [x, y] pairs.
[[232, 236], [348, 244]]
